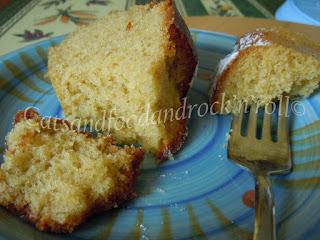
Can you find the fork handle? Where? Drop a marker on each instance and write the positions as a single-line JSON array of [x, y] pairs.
[[265, 228]]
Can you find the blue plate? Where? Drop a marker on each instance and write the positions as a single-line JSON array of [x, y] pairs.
[[200, 194], [301, 11]]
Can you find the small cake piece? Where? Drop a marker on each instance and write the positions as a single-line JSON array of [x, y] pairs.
[[128, 73], [264, 65], [56, 177]]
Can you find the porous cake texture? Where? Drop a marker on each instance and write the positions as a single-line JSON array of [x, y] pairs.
[[56, 177], [129, 72], [265, 64]]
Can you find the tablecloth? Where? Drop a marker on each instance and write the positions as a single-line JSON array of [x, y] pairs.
[[23, 22]]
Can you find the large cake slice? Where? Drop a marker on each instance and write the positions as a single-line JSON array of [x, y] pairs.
[[264, 65], [128, 73], [56, 177]]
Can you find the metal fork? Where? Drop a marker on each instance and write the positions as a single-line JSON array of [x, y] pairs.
[[262, 157]]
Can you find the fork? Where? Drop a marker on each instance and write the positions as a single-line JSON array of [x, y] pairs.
[[262, 157]]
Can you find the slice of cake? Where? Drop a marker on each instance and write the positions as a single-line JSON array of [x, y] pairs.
[[56, 177], [264, 65], [128, 73]]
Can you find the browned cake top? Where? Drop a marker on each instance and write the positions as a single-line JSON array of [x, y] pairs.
[[265, 37]]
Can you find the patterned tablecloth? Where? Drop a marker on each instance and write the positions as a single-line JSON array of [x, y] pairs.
[[26, 21]]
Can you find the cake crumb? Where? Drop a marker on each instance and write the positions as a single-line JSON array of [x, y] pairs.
[[57, 184], [160, 190]]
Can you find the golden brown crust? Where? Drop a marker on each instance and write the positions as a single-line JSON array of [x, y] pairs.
[[175, 144], [216, 97], [186, 56], [289, 39], [125, 189], [29, 113], [184, 65]]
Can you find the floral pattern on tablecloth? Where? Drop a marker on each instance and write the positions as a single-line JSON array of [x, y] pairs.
[[66, 15], [221, 8]]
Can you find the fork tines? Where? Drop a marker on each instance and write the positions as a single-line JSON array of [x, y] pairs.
[[269, 109]]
